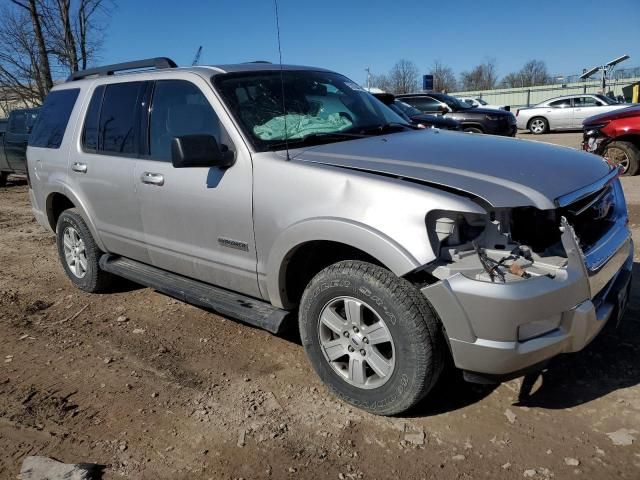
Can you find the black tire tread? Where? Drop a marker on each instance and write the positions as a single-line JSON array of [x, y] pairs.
[[99, 280], [424, 323], [633, 152]]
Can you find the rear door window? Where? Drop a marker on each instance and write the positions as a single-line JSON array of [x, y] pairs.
[[564, 103], [424, 104], [91, 121], [52, 118], [118, 126]]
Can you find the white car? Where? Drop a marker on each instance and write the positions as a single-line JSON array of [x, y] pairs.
[[478, 102], [564, 113]]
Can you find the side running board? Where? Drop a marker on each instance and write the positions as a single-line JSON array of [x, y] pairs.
[[247, 309]]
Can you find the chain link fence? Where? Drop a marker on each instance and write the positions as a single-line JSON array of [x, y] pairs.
[[570, 85]]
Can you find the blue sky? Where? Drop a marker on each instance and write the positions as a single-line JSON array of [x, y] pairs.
[[350, 35]]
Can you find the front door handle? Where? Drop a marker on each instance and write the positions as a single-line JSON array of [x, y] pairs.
[[79, 167], [152, 178]]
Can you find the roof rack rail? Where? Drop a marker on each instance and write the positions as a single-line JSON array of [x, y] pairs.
[[155, 63]]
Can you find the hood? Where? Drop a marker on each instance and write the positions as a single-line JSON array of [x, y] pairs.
[[503, 172], [622, 112], [483, 111], [435, 120]]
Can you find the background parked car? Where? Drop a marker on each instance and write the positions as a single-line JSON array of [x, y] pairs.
[[564, 113], [478, 102], [13, 142], [415, 116], [472, 119], [616, 136]]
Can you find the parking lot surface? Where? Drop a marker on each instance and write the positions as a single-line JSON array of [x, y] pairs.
[[153, 388]]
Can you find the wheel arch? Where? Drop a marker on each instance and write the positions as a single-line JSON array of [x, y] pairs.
[[308, 247], [633, 138], [472, 124], [58, 201]]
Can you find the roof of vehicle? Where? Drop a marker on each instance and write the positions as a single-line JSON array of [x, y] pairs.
[[563, 97], [261, 67], [163, 65], [422, 94]]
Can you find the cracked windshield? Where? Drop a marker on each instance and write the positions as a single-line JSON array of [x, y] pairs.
[[317, 104]]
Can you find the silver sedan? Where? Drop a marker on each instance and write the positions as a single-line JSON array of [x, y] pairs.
[[564, 113]]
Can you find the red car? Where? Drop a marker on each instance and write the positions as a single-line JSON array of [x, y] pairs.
[[616, 136]]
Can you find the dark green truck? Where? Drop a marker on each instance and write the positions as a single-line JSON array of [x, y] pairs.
[[14, 133]]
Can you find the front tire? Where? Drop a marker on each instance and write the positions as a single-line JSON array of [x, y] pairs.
[[79, 253], [624, 154], [472, 130], [538, 125], [3, 178], [371, 337]]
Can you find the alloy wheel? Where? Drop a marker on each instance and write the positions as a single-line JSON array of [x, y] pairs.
[[74, 252], [537, 126], [356, 342], [619, 157]]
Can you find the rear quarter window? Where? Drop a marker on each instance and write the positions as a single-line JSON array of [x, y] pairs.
[[53, 118]]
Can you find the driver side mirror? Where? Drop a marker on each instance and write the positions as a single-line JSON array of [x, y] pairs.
[[443, 109], [190, 151]]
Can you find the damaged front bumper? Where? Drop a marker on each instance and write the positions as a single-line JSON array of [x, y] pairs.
[[502, 329]]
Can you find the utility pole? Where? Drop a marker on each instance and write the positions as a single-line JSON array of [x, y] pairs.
[[368, 70]]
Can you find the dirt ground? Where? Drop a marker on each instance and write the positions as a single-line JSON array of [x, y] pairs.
[[152, 388]]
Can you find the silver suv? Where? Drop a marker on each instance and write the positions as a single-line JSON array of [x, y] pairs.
[[270, 192]]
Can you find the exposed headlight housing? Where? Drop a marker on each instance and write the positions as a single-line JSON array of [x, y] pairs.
[[593, 130], [448, 229]]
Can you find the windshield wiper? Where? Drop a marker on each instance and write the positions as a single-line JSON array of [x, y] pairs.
[[382, 128], [314, 139]]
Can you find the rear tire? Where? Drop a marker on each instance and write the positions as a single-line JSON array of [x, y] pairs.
[[3, 178], [625, 154], [538, 125], [79, 253], [371, 337]]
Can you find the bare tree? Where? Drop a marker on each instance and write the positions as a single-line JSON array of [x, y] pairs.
[[444, 80], [20, 78], [404, 77], [533, 73], [382, 81], [41, 40], [73, 31], [44, 79], [481, 77]]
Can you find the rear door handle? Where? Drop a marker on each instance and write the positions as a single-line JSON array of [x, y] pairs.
[[152, 178], [79, 167]]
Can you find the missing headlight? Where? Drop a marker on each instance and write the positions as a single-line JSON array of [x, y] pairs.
[[449, 229]]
